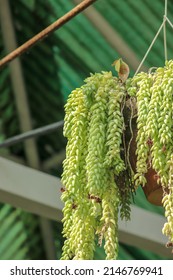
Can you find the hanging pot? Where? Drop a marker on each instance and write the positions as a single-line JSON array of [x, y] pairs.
[[153, 191]]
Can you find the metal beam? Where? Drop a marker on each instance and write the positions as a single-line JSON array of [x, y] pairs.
[[145, 231], [31, 134], [5, 154], [29, 189], [39, 193]]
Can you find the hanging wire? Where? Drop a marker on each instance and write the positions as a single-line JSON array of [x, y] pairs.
[[163, 25], [152, 43], [164, 30], [30, 134], [170, 23]]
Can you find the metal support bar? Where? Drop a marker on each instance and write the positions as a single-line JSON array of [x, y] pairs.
[[32, 133], [29, 189], [45, 32], [39, 193]]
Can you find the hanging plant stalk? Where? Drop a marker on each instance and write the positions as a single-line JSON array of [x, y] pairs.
[[154, 98], [99, 175], [94, 126]]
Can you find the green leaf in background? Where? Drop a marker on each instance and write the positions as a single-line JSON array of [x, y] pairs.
[[29, 3]]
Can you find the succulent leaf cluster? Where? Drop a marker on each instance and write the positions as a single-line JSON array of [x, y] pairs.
[[154, 98], [96, 177], [93, 126]]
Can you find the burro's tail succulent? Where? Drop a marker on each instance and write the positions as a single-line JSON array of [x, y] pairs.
[[93, 126], [97, 156]]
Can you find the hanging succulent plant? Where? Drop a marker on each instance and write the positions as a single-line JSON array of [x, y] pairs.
[[99, 175], [154, 98]]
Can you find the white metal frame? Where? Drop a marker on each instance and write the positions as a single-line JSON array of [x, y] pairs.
[[39, 193]]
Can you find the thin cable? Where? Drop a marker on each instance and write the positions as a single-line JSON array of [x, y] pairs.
[[166, 8], [152, 43], [170, 23], [33, 133], [44, 33], [164, 31]]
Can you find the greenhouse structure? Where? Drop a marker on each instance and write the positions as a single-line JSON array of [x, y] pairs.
[[34, 87]]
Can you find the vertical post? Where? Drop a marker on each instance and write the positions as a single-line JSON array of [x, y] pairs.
[[18, 84], [24, 112]]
